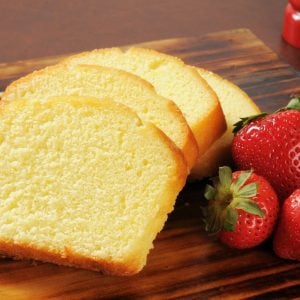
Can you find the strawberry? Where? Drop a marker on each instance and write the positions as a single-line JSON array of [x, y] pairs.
[[286, 243], [242, 208], [270, 145]]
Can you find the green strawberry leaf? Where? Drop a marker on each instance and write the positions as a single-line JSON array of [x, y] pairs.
[[243, 177], [250, 207], [249, 190], [225, 175], [245, 121], [230, 220], [213, 222], [294, 103], [210, 192]]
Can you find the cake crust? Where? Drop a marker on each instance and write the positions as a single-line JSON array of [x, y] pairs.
[[236, 104]]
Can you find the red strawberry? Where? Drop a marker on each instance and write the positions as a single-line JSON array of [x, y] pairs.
[[286, 242], [242, 208], [270, 145]]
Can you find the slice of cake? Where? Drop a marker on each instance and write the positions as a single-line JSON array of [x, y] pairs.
[[84, 183], [235, 104], [172, 79], [118, 85]]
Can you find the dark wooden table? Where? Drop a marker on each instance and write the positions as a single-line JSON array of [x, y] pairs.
[[37, 28], [185, 263]]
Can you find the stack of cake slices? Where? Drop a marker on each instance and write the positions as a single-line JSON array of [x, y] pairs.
[[95, 150]]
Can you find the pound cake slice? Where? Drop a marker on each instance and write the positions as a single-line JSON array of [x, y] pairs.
[[121, 86], [235, 104], [84, 183], [172, 79]]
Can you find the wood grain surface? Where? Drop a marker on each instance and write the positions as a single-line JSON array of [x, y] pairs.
[[185, 263]]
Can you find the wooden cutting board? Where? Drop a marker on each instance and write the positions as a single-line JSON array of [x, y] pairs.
[[185, 262]]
